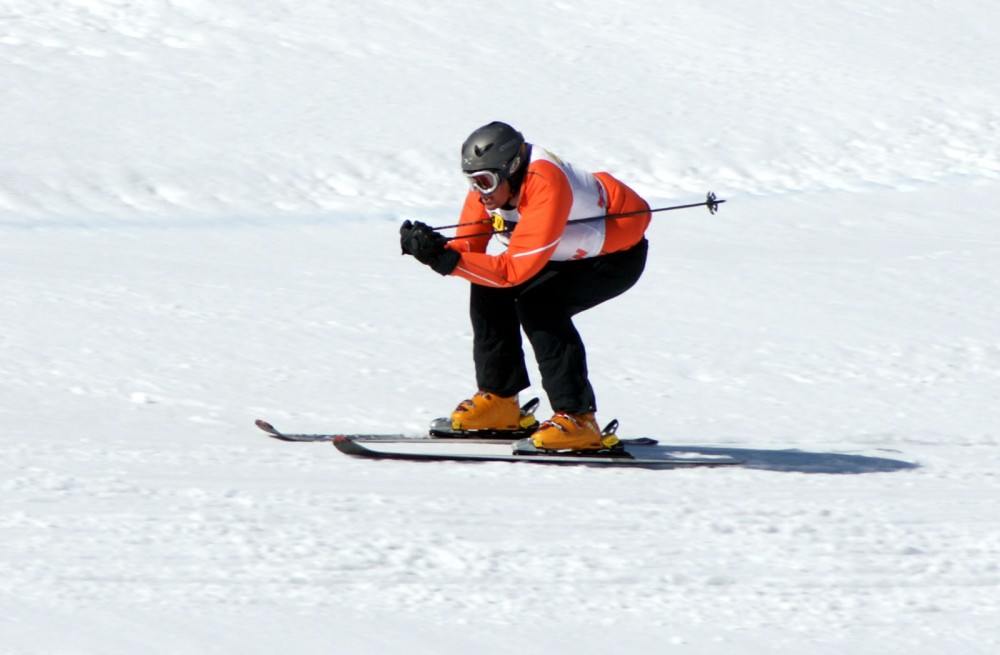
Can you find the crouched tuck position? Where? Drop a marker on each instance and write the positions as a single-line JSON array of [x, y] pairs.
[[553, 267]]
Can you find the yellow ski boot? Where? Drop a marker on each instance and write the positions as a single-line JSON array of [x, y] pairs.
[[488, 411], [572, 432]]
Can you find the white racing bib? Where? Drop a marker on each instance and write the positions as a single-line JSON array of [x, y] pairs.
[[578, 240]]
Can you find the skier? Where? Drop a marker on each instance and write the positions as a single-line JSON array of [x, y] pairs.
[[549, 272]]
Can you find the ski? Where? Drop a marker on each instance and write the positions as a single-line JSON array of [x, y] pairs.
[[481, 436], [299, 437], [434, 435], [633, 455]]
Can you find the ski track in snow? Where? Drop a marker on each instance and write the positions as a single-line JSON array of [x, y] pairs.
[[198, 213]]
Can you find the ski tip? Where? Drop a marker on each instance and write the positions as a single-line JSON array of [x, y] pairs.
[[265, 426], [348, 446]]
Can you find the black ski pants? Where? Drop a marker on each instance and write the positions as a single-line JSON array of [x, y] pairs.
[[544, 307]]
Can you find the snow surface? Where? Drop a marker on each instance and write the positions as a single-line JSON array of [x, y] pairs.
[[198, 213]]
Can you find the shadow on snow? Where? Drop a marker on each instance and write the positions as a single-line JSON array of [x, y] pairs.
[[798, 461]]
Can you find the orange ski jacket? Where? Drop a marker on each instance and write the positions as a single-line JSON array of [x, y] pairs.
[[537, 230]]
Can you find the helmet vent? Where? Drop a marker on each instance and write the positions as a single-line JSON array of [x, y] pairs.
[[481, 150]]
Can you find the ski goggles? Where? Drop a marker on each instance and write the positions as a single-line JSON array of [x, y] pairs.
[[484, 182]]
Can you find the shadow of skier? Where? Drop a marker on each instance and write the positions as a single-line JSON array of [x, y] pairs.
[[798, 461]]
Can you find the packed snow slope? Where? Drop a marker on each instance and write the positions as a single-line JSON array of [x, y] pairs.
[[198, 213]]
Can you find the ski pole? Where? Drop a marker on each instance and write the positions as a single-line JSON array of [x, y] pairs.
[[710, 201]]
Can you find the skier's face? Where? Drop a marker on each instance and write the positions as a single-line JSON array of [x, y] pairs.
[[498, 198]]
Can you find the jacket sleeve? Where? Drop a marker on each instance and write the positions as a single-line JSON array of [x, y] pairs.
[[473, 233], [544, 207]]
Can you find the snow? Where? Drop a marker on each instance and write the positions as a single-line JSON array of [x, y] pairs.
[[198, 213]]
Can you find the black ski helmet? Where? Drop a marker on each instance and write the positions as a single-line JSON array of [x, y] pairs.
[[494, 147]]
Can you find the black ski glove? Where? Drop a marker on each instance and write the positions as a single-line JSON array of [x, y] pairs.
[[419, 240]]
